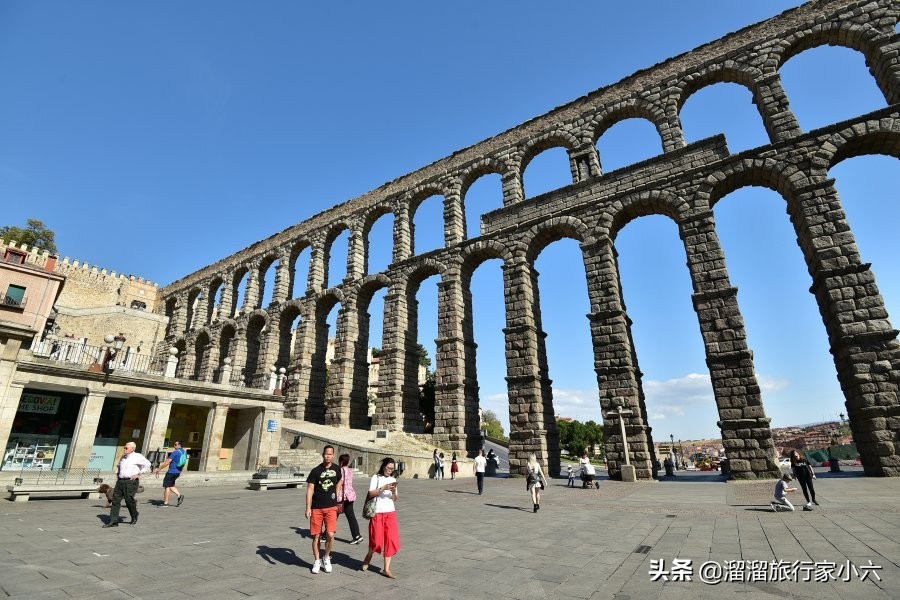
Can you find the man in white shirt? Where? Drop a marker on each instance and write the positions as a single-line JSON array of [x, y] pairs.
[[479, 465], [129, 469]]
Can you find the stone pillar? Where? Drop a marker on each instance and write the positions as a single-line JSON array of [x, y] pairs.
[[253, 297], [203, 362], [282, 279], [340, 385], [512, 185], [454, 214], [584, 163], [772, 103], [525, 367], [238, 356], [403, 242], [179, 315], [9, 404], [615, 362], [157, 424], [247, 431], [212, 439], [864, 344], [300, 403], [85, 430], [356, 253], [391, 363], [359, 392], [226, 307], [201, 309], [456, 415], [673, 134], [269, 442], [318, 265], [409, 390], [746, 433], [188, 360], [171, 363], [885, 66]]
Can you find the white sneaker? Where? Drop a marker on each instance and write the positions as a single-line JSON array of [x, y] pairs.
[[317, 565], [326, 564]]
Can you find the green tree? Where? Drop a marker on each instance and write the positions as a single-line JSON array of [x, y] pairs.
[[35, 234], [424, 360], [427, 400], [491, 424]]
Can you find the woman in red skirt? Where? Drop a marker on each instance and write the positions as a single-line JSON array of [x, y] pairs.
[[384, 534], [454, 467]]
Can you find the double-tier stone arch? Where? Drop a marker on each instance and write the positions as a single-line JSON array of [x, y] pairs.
[[557, 138]]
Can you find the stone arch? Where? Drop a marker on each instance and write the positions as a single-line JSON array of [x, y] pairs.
[[201, 355], [224, 349], [335, 229], [286, 319], [542, 235], [733, 72], [472, 173], [783, 178], [650, 202], [368, 220], [366, 288], [558, 138], [236, 278], [855, 36], [254, 371], [415, 198], [633, 108], [213, 291], [297, 248], [849, 143], [265, 263]]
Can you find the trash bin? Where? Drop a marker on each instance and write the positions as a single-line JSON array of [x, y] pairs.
[[670, 467], [725, 467]]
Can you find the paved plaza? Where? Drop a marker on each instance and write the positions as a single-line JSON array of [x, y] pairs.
[[229, 542]]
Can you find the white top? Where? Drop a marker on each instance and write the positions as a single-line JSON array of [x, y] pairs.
[[385, 500], [132, 465], [480, 464]]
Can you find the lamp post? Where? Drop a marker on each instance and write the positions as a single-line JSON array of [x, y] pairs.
[[672, 449], [114, 344], [627, 469]]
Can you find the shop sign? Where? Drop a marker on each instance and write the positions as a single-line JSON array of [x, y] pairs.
[[39, 403]]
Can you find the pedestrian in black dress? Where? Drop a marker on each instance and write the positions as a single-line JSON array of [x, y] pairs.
[[804, 474]]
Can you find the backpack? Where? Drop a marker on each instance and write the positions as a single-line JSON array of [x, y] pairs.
[[182, 460]]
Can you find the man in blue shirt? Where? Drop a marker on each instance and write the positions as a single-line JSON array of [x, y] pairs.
[[176, 457]]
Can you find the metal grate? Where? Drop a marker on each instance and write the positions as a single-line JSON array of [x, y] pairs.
[[642, 550]]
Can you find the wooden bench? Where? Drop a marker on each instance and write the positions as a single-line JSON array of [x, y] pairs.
[[261, 485], [22, 492]]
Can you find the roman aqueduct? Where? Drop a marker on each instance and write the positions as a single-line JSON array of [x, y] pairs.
[[683, 183]]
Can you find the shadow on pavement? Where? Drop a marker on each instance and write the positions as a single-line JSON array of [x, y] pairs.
[[508, 507], [285, 556]]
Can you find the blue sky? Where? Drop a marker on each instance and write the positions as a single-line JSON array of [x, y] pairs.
[[158, 138]]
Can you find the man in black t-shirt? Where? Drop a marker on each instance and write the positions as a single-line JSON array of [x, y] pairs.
[[322, 488]]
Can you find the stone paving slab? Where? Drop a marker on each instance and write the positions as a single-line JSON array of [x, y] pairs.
[[228, 542]]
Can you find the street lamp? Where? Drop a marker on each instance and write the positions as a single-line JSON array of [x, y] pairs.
[[672, 449], [114, 344]]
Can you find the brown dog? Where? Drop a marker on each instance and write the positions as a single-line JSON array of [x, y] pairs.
[[108, 490]]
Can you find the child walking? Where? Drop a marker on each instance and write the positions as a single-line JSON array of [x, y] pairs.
[[781, 488], [571, 473]]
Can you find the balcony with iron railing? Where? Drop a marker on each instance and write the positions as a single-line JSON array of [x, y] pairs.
[[127, 359]]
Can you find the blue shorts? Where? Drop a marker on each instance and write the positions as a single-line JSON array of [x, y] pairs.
[[169, 479]]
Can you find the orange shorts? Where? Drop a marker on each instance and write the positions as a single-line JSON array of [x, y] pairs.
[[319, 515]]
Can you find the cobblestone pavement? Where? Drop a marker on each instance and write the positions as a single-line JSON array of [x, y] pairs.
[[228, 542]]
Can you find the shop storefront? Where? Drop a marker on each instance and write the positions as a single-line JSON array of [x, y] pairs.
[[42, 430]]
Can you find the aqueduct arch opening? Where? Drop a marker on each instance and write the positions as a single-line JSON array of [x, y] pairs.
[[684, 183]]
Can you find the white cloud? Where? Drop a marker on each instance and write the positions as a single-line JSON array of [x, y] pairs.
[[685, 403]]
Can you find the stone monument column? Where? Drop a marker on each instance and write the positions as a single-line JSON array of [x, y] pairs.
[[391, 362], [212, 439], [157, 423], [85, 430], [340, 386]]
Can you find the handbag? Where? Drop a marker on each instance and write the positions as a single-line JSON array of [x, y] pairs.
[[369, 507]]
